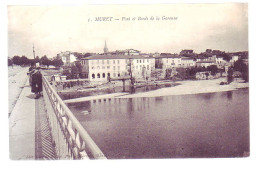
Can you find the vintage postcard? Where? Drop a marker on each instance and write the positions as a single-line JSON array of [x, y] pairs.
[[128, 81]]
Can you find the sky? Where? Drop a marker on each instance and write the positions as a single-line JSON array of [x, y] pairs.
[[53, 29]]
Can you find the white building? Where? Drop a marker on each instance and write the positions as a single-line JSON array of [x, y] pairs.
[[234, 59], [205, 63], [187, 62], [169, 61], [126, 52], [103, 67], [220, 62], [67, 57]]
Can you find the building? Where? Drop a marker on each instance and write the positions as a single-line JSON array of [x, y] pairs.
[[201, 58], [104, 67], [127, 52], [67, 58], [187, 62], [183, 52], [234, 58], [205, 63], [205, 75], [220, 61]]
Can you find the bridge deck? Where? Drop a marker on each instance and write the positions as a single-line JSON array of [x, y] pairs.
[[29, 133]]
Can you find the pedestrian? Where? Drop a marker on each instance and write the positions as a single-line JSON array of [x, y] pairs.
[[37, 83], [31, 71]]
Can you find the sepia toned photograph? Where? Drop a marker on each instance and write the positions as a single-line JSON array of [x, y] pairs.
[[147, 81]]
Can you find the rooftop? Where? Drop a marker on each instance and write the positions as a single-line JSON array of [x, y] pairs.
[[167, 56], [100, 57], [186, 58]]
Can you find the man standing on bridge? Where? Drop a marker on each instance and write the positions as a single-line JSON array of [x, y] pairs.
[[37, 83]]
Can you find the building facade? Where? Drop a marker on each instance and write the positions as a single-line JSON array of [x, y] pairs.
[[67, 58], [205, 63], [187, 62], [105, 67]]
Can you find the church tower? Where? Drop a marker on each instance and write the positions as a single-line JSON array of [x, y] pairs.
[[105, 48]]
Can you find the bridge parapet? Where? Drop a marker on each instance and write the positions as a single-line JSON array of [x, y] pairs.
[[71, 140]]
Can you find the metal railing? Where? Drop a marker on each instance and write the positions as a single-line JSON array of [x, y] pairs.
[[71, 140]]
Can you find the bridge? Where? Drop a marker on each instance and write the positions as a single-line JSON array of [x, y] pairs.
[[46, 129]]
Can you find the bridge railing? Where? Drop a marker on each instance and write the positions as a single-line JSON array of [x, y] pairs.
[[71, 140]]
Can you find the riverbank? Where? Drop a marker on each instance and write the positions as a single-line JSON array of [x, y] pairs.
[[183, 87], [192, 87]]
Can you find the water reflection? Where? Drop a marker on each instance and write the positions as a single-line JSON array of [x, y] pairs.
[[207, 96], [229, 94]]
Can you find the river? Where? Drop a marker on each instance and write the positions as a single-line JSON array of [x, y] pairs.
[[190, 126]]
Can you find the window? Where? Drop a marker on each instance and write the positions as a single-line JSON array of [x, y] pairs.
[[98, 75], [93, 67], [103, 75], [108, 75], [103, 67], [147, 60], [98, 67], [114, 74], [103, 62], [140, 61], [147, 67], [118, 61], [118, 67], [108, 67], [114, 67], [107, 61], [137, 61], [114, 62], [118, 74], [93, 76]]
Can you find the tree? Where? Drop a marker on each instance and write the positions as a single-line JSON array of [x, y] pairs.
[[17, 60], [213, 69], [45, 61], [156, 73], [10, 62], [229, 75], [193, 71], [168, 73], [240, 66], [86, 55], [129, 65], [226, 57], [24, 60], [79, 66], [57, 62]]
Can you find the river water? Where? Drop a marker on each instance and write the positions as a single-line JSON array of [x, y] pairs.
[[197, 125]]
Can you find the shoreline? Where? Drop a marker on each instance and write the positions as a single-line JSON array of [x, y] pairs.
[[184, 88], [192, 87]]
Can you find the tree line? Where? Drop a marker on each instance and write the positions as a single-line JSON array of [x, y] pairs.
[[24, 61]]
